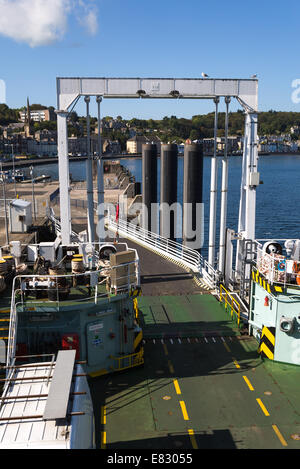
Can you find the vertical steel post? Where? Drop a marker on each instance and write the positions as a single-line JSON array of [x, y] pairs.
[[64, 177], [224, 192], [149, 185], [33, 195], [89, 176], [5, 208], [168, 190], [100, 179], [247, 210], [213, 193], [192, 224]]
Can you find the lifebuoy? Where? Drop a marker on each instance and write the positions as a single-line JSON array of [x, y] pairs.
[[298, 279]]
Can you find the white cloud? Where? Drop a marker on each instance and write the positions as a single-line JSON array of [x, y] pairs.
[[91, 22], [43, 22], [89, 18]]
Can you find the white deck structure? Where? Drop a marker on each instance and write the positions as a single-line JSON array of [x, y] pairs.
[[47, 406]]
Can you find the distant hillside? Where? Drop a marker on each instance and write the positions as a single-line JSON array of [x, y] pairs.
[[176, 128]]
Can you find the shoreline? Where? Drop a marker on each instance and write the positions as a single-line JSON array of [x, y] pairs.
[[54, 159]]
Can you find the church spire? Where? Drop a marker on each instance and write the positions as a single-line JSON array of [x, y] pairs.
[[27, 126]]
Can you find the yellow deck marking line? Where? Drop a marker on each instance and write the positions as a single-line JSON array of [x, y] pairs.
[[177, 387], [263, 407], [193, 439], [248, 383], [165, 349], [282, 440], [226, 346], [183, 410], [171, 367], [236, 363]]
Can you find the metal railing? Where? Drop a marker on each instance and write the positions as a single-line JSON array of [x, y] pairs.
[[43, 285], [278, 269], [171, 249], [230, 302], [128, 361]]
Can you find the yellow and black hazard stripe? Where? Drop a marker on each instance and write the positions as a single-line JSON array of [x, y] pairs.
[[267, 342], [138, 341], [137, 291], [257, 277]]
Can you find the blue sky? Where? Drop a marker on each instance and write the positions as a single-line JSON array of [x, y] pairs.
[[160, 38]]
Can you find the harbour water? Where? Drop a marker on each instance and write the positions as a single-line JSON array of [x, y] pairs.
[[278, 201]]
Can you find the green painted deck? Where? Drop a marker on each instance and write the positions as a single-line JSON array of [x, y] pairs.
[[211, 392], [184, 316], [203, 384]]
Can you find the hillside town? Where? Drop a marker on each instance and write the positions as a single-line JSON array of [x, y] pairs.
[[34, 134]]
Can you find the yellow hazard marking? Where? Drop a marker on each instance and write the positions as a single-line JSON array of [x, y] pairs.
[[279, 289], [165, 349], [227, 347], [103, 440], [103, 415], [262, 407], [183, 410], [248, 383], [177, 387], [95, 374], [281, 439], [137, 340], [236, 363], [267, 351], [171, 367], [269, 335], [193, 439]]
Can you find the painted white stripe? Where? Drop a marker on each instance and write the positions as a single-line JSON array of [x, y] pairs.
[[205, 339], [171, 341]]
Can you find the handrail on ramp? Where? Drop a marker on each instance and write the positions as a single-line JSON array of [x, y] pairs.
[[171, 249]]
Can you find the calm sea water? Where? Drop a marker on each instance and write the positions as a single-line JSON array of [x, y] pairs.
[[278, 198]]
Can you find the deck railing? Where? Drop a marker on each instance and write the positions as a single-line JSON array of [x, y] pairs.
[[171, 249], [230, 302], [43, 285]]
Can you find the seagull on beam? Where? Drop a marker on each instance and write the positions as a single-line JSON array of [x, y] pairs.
[[204, 75]]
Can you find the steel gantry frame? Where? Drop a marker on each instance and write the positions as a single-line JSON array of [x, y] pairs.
[[69, 90]]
